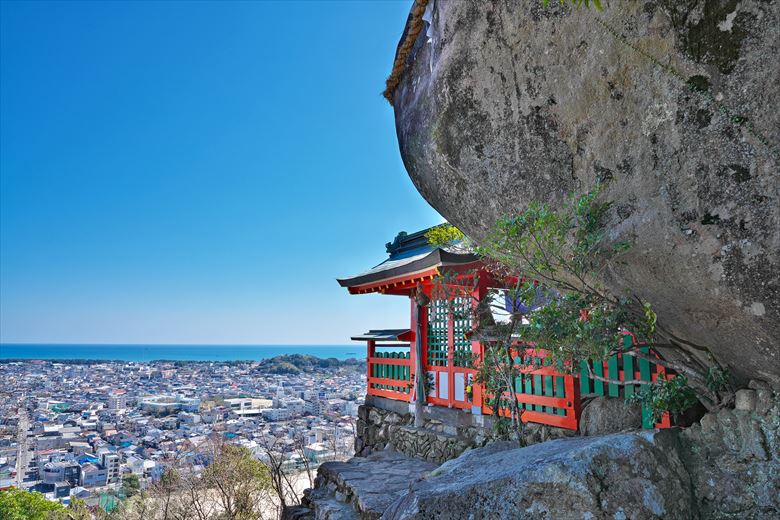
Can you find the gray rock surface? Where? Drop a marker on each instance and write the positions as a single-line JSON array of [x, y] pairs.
[[727, 466], [733, 457], [363, 487], [627, 475], [511, 102], [609, 415]]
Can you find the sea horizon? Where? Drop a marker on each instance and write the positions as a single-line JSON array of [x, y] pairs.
[[170, 352]]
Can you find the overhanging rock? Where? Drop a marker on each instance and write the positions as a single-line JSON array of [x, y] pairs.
[[671, 104]]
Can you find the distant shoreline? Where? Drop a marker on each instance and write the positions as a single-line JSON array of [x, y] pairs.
[[82, 361], [15, 352]]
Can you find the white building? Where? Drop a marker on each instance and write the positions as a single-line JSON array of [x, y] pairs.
[[117, 402], [313, 407], [276, 414], [110, 461]]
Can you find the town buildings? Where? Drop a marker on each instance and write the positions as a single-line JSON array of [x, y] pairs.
[[80, 428]]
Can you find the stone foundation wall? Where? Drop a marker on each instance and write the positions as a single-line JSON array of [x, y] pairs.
[[446, 433], [378, 429]]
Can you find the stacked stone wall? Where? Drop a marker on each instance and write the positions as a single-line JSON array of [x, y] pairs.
[[445, 434]]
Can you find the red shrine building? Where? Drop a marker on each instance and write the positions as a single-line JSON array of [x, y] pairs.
[[437, 342]]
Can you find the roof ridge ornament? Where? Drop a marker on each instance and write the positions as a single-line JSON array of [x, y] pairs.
[[395, 245]]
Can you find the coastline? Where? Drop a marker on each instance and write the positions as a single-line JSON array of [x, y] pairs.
[[10, 352]]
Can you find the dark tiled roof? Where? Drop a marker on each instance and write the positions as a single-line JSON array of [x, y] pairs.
[[384, 335], [408, 253]]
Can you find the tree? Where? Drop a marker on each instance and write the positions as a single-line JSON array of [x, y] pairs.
[[17, 504], [280, 481], [240, 481], [131, 485], [233, 486], [567, 253], [78, 510], [556, 259]]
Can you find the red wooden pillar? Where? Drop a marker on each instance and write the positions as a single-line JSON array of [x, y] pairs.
[[476, 347], [413, 348], [370, 349], [573, 401]]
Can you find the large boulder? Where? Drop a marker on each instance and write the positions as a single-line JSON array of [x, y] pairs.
[[672, 104], [628, 475], [609, 415]]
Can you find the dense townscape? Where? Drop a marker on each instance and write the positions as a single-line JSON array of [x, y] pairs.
[[85, 429]]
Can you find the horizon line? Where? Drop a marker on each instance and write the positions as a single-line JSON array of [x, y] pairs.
[[99, 344]]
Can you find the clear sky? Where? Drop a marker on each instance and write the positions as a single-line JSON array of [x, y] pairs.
[[196, 172]]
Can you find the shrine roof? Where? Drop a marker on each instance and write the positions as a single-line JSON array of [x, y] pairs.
[[384, 335], [409, 254]]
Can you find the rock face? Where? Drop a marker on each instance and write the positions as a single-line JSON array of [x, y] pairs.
[[733, 457], [615, 476], [608, 415], [671, 104], [362, 487]]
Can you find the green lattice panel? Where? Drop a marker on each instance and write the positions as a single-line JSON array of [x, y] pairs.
[[461, 321], [437, 333]]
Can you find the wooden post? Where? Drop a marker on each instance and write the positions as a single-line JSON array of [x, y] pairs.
[[450, 360], [418, 323], [476, 348], [370, 351], [413, 346]]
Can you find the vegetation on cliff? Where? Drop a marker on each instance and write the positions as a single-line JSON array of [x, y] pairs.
[[298, 363], [557, 258]]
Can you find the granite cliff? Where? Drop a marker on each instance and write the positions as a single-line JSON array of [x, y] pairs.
[[671, 105]]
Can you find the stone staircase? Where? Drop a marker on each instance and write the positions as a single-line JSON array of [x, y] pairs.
[[360, 488]]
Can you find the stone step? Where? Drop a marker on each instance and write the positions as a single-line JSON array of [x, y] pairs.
[[366, 484], [327, 504]]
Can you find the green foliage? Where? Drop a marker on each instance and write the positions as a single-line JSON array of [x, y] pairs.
[[556, 255], [673, 395], [78, 510], [579, 3], [170, 478], [558, 247], [502, 428], [559, 256], [236, 481], [298, 363], [17, 504], [560, 328], [717, 379], [444, 235], [131, 485]]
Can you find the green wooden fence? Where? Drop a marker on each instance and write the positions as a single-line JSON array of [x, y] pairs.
[[623, 368], [400, 373]]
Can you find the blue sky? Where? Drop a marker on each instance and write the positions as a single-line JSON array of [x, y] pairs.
[[197, 172]]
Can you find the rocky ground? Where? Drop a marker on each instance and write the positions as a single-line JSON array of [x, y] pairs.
[[727, 466]]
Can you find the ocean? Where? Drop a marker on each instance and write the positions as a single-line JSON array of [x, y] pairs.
[[175, 352]]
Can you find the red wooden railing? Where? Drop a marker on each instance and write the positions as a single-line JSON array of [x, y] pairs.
[[545, 395]]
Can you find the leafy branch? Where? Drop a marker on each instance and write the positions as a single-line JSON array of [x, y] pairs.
[[557, 258]]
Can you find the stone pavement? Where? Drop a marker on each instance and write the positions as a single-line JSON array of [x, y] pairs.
[[363, 487]]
